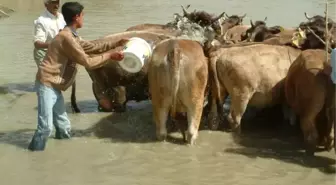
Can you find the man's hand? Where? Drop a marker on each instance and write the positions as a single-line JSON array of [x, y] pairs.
[[117, 55], [41, 45]]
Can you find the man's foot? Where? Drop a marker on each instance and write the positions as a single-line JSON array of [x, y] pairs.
[[38, 142], [62, 134]]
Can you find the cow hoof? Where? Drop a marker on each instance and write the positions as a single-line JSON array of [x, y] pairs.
[[310, 149], [237, 130], [191, 142], [191, 139], [213, 123], [310, 152], [161, 135], [327, 142], [184, 137], [75, 110]]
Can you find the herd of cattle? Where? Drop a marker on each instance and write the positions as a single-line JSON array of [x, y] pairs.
[[200, 57]]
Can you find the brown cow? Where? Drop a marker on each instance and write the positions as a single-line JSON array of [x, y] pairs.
[[250, 74], [259, 32], [309, 92], [178, 75], [114, 83]]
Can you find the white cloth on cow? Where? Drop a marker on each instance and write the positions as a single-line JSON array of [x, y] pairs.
[[333, 65], [46, 27]]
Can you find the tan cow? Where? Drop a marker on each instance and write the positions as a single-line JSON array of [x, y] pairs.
[[250, 74], [229, 22], [177, 76], [309, 92]]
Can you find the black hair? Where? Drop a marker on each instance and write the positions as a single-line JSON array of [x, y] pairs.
[[70, 10]]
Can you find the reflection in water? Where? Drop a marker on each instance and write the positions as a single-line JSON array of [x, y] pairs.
[[120, 148]]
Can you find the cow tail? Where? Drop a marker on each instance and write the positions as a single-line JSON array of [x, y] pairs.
[[215, 80], [73, 99], [174, 57]]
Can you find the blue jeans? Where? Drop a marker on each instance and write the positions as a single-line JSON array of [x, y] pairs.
[[51, 112]]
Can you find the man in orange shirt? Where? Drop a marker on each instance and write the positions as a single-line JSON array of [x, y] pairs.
[[57, 72]]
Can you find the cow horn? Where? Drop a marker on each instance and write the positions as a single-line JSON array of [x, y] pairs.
[[218, 17], [265, 19], [225, 36], [307, 16], [187, 6], [251, 23], [177, 16], [242, 17], [185, 13], [226, 15]]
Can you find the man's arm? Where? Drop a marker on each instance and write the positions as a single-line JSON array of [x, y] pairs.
[[75, 52], [101, 45], [40, 36]]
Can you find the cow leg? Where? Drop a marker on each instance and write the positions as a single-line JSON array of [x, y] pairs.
[[216, 108], [160, 114], [180, 122], [310, 135], [324, 128], [194, 118], [238, 106], [289, 114], [334, 127]]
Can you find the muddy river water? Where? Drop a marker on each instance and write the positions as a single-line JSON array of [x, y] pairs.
[[120, 148]]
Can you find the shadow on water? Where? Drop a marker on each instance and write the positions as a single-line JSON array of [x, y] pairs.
[[85, 106], [271, 138], [134, 126], [19, 138], [16, 88]]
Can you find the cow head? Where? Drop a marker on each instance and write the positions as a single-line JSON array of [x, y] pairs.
[[228, 22], [193, 31], [204, 19], [313, 31], [316, 20], [259, 32], [198, 26], [115, 99], [177, 18]]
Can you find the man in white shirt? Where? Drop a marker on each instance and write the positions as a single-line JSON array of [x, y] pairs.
[[333, 65], [47, 26]]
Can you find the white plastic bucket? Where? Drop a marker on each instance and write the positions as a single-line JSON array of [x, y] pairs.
[[136, 51]]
